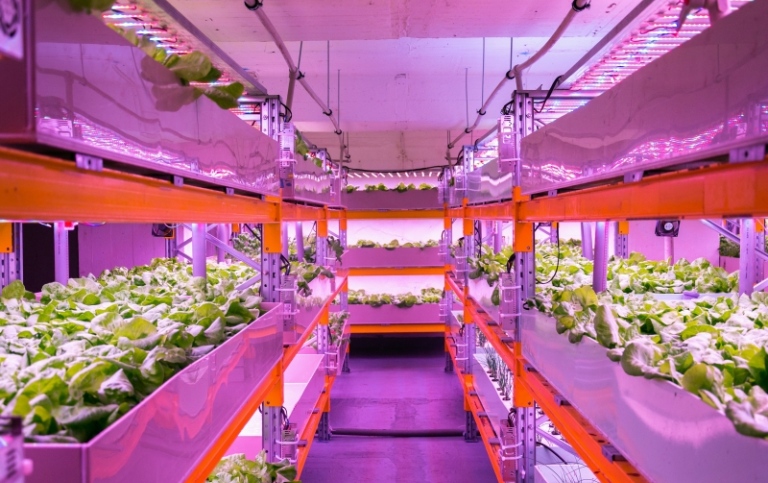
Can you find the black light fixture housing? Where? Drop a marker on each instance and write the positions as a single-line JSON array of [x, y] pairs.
[[163, 230], [668, 228]]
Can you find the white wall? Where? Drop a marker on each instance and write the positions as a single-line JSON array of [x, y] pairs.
[[695, 241], [117, 245]]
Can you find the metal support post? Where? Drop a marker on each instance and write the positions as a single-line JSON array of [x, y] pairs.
[[497, 229], [525, 422], [586, 241], [622, 239], [198, 249], [284, 240], [271, 430], [324, 428], [669, 249], [10, 253], [759, 243], [748, 260], [61, 252], [222, 233], [554, 233], [600, 271], [299, 241], [270, 264]]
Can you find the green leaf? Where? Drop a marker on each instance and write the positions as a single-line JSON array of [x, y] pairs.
[[190, 67], [226, 97], [640, 357], [137, 328], [606, 327], [14, 290]]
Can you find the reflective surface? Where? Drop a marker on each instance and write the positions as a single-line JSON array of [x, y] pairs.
[[700, 100], [383, 200], [311, 183], [393, 315], [486, 184], [670, 435], [97, 94], [164, 437], [383, 258], [481, 292]]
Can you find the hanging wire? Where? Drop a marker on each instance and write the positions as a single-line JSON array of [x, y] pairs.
[[328, 71], [466, 96], [299, 75], [482, 84]]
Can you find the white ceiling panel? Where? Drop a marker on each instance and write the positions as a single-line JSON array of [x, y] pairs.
[[402, 62]]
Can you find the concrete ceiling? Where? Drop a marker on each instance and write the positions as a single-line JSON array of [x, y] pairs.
[[402, 62]]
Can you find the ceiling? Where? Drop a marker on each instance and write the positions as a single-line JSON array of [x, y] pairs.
[[402, 63]]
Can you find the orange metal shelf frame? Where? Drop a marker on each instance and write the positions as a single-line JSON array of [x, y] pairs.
[[389, 215], [35, 187], [424, 328], [397, 271], [731, 190], [308, 434], [475, 406], [224, 441]]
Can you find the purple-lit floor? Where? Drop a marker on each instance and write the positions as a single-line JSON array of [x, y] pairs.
[[397, 384]]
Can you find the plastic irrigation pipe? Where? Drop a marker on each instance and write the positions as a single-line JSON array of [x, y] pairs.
[[576, 7], [293, 70]]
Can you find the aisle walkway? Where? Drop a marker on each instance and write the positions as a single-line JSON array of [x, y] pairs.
[[397, 384]]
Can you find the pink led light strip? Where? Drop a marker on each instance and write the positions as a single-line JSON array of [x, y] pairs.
[[653, 38]]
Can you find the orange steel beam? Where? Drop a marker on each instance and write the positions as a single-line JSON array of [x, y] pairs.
[[425, 328], [493, 334], [731, 190], [398, 271], [42, 188], [299, 212], [293, 349], [388, 215], [308, 433], [496, 211], [582, 436], [473, 404], [224, 441]]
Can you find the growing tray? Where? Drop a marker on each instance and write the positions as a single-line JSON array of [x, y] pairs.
[[392, 200], [164, 437], [304, 382], [481, 293], [309, 309], [393, 315], [398, 257], [667, 433]]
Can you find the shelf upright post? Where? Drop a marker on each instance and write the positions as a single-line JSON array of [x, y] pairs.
[[299, 241], [622, 239], [222, 233], [586, 241], [324, 347], [198, 249], [10, 253], [61, 252], [525, 274], [321, 247], [748, 259], [600, 271]]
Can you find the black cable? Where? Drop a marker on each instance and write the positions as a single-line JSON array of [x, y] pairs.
[[549, 93], [329, 113], [287, 422], [508, 109], [288, 116], [539, 443], [557, 266]]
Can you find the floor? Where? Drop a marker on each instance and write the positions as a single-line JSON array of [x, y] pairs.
[[397, 384]]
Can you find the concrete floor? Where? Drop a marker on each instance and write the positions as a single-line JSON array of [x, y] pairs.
[[397, 384]]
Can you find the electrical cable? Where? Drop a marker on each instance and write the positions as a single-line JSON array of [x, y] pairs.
[[549, 93], [539, 443], [288, 115], [557, 265]]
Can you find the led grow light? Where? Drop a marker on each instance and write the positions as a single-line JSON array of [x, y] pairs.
[[653, 38]]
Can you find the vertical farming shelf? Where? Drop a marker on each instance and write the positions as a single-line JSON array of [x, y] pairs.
[[623, 427]]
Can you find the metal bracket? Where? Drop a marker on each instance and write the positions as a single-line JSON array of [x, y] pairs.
[[633, 177], [229, 191], [561, 401], [552, 193], [89, 163], [611, 453], [749, 153], [178, 181]]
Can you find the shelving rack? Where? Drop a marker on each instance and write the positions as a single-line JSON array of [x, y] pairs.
[[361, 262], [81, 167], [614, 421]]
